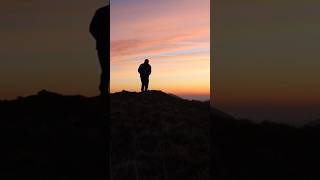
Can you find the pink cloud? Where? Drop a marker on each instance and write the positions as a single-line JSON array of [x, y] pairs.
[[183, 41]]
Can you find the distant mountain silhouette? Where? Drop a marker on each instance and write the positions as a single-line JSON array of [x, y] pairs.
[[242, 149], [313, 124]]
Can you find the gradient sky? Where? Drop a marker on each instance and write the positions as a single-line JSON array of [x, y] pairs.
[[266, 59], [173, 34], [46, 45]]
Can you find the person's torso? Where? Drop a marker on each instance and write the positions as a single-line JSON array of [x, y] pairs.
[[145, 69]]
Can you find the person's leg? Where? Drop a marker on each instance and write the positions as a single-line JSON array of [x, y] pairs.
[[142, 85], [105, 72], [146, 84], [144, 81]]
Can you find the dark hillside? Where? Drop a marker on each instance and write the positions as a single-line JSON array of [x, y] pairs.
[[154, 136], [50, 136], [159, 136], [246, 150]]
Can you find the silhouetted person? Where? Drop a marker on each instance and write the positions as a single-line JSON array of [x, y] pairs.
[[100, 30], [145, 71]]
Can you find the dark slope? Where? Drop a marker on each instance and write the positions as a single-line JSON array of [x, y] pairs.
[[154, 135], [50, 136], [159, 136], [246, 150]]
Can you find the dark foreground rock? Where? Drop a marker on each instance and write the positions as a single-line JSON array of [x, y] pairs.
[[153, 136], [159, 136], [50, 136], [246, 150]]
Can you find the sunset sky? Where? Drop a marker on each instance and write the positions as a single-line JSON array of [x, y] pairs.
[[173, 35], [47, 45], [266, 59]]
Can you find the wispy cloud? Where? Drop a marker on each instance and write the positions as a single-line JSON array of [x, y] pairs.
[[155, 46]]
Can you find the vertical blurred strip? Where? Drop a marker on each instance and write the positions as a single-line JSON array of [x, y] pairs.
[[211, 53]]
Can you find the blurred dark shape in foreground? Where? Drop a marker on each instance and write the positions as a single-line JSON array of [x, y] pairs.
[[242, 149], [50, 136]]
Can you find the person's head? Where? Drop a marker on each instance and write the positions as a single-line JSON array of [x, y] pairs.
[[146, 61]]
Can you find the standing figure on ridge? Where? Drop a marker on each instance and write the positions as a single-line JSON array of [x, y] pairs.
[[145, 71], [100, 30]]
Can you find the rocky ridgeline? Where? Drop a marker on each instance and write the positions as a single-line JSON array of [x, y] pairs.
[[154, 136], [159, 136]]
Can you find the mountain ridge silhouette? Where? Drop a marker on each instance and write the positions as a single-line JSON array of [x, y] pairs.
[[244, 149], [50, 134], [166, 136], [162, 136]]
